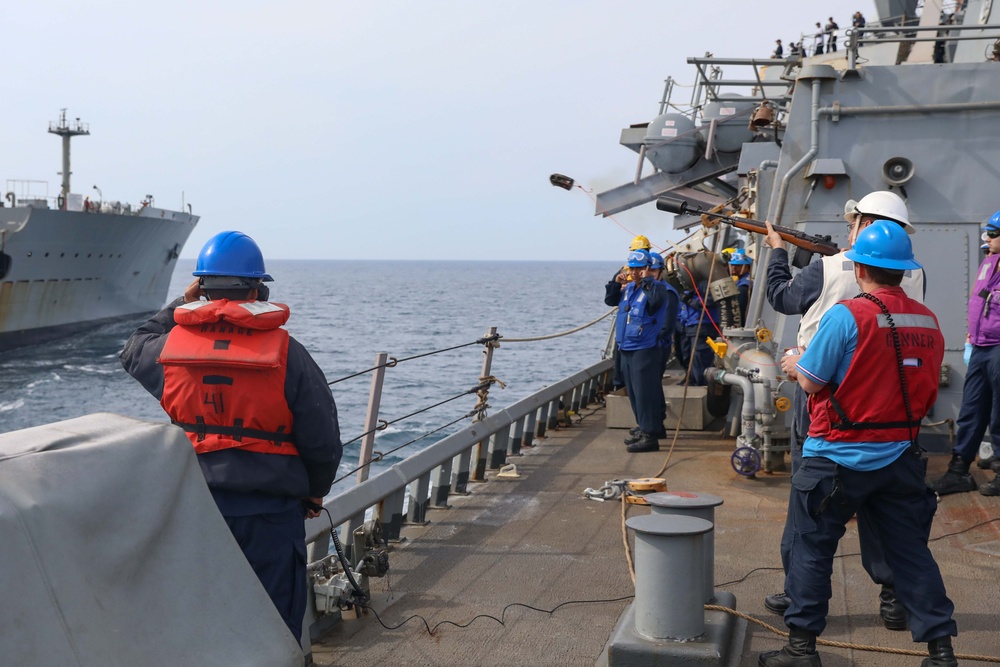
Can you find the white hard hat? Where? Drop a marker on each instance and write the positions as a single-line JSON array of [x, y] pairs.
[[849, 211], [885, 205]]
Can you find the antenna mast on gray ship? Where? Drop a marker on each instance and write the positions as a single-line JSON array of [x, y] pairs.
[[67, 131]]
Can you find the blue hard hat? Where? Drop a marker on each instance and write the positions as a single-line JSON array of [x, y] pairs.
[[739, 257], [638, 259], [993, 222], [231, 254], [883, 244], [655, 260]]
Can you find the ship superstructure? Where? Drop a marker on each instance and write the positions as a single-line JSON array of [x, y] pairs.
[[908, 105], [69, 262]]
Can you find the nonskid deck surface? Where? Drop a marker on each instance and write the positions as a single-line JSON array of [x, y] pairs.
[[537, 541]]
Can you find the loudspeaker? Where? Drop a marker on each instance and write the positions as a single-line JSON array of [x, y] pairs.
[[897, 171]]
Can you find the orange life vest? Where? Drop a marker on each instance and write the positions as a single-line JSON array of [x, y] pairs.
[[224, 370]]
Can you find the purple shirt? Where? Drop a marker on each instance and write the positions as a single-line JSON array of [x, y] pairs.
[[984, 305]]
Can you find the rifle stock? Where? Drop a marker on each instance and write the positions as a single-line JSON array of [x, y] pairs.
[[812, 243], [818, 244]]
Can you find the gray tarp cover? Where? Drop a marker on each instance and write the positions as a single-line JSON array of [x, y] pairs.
[[112, 552]]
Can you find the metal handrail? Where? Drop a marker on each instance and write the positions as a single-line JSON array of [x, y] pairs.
[[581, 387]]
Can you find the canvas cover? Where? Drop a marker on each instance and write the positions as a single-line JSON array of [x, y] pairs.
[[112, 552]]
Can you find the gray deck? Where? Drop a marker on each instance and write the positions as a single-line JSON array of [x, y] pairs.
[[536, 541]]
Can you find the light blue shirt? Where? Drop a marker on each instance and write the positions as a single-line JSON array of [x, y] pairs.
[[826, 361]]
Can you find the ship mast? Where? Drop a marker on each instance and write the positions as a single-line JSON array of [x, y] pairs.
[[67, 131]]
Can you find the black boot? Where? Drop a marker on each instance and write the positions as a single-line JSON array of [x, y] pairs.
[[777, 603], [941, 654], [891, 610], [992, 487], [986, 464], [645, 443], [800, 652], [956, 480]]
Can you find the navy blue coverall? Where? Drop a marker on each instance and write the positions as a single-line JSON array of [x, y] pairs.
[[260, 495], [641, 353], [794, 297]]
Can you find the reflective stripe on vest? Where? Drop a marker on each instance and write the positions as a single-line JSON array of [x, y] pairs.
[[839, 284], [868, 405]]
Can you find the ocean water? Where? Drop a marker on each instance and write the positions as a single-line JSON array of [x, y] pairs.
[[345, 312]]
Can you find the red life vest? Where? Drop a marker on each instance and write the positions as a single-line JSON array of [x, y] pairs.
[[224, 376], [868, 405]]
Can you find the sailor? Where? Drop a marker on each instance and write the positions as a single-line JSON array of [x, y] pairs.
[[682, 344], [817, 287], [981, 391], [255, 406], [699, 316], [643, 305], [739, 269], [613, 295], [861, 455], [818, 40], [665, 338]]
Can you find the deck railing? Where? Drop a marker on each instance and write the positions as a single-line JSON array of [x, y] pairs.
[[429, 477]]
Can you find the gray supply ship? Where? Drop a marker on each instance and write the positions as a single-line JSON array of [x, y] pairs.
[[470, 560], [68, 262]]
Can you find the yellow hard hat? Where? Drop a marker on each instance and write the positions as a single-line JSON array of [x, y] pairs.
[[640, 242]]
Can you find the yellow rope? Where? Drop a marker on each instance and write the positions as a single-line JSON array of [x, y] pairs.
[[628, 551], [857, 647]]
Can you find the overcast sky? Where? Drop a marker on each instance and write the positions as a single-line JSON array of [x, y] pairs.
[[368, 130]]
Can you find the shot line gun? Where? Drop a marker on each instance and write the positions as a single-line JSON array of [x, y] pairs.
[[808, 242]]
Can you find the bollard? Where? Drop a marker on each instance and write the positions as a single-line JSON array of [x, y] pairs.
[[700, 506], [669, 573]]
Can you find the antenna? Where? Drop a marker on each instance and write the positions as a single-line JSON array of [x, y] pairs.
[[67, 130]]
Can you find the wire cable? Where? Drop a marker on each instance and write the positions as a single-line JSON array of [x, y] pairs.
[[389, 364], [385, 424], [503, 614], [381, 455], [393, 361], [561, 333], [627, 230]]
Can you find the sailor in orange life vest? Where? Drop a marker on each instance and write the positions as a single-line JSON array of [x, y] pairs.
[[255, 406], [862, 454]]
